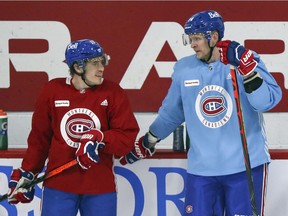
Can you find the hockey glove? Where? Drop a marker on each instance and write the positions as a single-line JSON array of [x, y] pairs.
[[17, 193], [237, 55], [142, 149], [87, 152]]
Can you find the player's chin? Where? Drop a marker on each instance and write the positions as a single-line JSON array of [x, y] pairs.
[[97, 80], [199, 56], [202, 57]]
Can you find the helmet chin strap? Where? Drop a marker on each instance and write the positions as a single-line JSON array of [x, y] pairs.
[[210, 53], [83, 77]]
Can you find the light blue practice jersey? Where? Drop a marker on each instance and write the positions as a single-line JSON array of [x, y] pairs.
[[201, 95]]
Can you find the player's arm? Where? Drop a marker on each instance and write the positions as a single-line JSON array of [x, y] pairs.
[[262, 90], [123, 128], [170, 116], [36, 154], [41, 133]]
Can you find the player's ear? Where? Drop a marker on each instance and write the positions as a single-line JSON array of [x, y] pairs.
[[77, 68], [214, 38]]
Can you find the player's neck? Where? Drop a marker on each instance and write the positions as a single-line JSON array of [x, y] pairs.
[[78, 83], [215, 55]]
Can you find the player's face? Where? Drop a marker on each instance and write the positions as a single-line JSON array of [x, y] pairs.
[[94, 72], [200, 45]]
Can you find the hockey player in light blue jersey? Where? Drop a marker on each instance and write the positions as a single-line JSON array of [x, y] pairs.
[[201, 95]]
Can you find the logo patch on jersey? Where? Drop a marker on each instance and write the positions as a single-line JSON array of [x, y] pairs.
[[104, 103], [229, 77], [77, 122], [188, 83], [213, 106], [62, 103], [189, 209], [76, 127]]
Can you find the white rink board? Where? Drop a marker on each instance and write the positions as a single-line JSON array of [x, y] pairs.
[[19, 125], [139, 195]]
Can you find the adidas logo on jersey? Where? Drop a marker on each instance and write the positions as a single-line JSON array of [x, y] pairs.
[[228, 76], [104, 103]]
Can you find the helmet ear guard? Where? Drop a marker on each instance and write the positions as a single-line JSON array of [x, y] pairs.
[[80, 63]]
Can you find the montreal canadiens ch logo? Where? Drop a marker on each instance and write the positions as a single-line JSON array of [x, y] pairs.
[[77, 122], [213, 106]]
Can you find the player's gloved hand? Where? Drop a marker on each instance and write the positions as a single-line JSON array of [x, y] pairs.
[[237, 55], [87, 152], [17, 193], [145, 147]]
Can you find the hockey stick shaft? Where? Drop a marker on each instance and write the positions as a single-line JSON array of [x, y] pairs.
[[244, 141], [46, 176]]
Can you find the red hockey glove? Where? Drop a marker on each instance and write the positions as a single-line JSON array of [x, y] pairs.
[[17, 193], [87, 152], [237, 55], [142, 149]]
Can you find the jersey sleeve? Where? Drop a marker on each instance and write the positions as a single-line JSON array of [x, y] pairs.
[[40, 135], [171, 113], [123, 127]]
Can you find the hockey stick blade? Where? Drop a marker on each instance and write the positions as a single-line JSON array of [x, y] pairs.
[[45, 176], [244, 141]]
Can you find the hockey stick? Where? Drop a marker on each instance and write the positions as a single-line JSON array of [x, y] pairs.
[[45, 176], [244, 141]]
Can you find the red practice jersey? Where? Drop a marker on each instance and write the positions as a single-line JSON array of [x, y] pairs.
[[62, 115]]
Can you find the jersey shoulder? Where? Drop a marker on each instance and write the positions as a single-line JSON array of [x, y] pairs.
[[54, 86], [187, 63], [58, 81], [111, 86], [185, 66]]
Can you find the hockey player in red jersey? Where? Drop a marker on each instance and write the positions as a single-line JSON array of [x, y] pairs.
[[83, 116]]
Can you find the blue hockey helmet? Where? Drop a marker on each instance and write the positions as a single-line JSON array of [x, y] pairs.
[[205, 22], [81, 50]]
